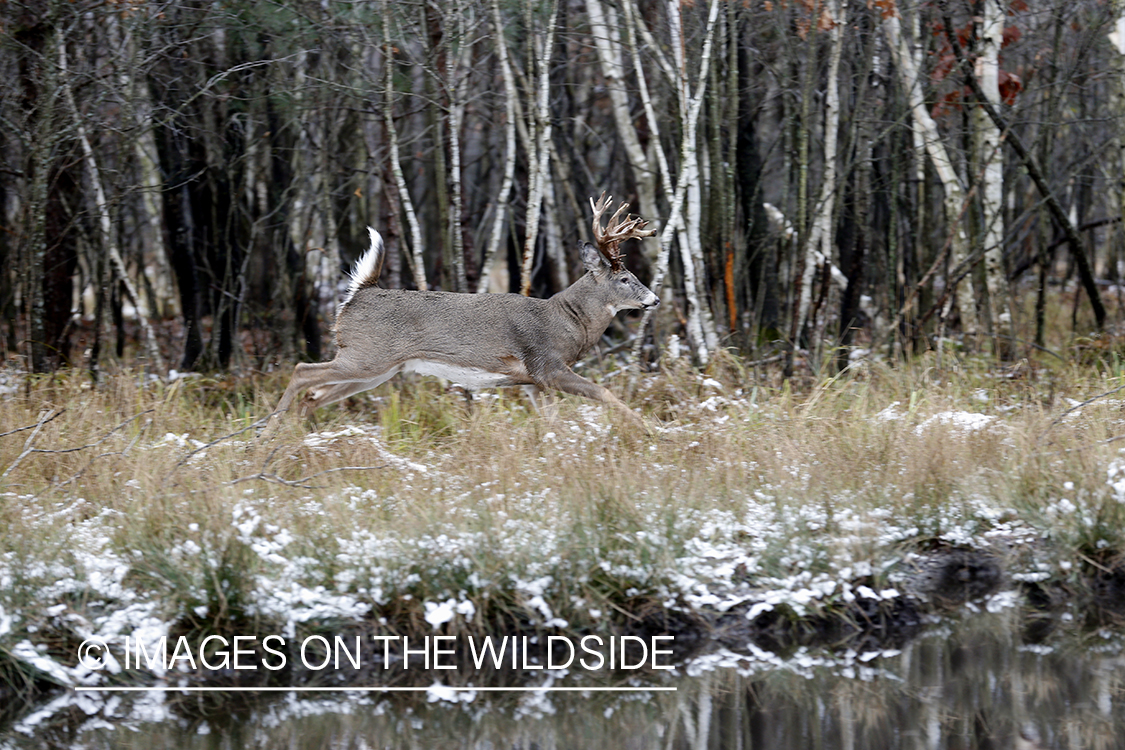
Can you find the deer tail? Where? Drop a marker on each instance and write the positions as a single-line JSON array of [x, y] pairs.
[[368, 268]]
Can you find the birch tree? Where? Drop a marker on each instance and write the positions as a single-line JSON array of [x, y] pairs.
[[819, 247], [417, 242], [685, 188], [604, 27], [691, 244], [1035, 172], [310, 228], [510, 117], [101, 209], [456, 82], [990, 166], [540, 158], [953, 190]]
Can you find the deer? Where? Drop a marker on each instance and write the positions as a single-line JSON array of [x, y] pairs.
[[477, 340]]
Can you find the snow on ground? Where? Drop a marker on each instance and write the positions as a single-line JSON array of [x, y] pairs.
[[707, 561]]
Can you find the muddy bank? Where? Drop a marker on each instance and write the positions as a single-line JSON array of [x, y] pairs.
[[642, 639]]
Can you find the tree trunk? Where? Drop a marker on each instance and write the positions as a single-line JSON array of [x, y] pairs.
[[417, 243], [701, 327], [105, 223], [455, 64], [1085, 269], [54, 192], [820, 244], [954, 193], [541, 158], [604, 28], [990, 166], [499, 221], [760, 263]]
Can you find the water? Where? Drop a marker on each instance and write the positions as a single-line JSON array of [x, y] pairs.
[[979, 683]]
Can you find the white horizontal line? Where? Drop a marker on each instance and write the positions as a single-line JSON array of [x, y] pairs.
[[196, 689]]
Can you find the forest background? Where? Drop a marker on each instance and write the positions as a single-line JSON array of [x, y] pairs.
[[183, 183]]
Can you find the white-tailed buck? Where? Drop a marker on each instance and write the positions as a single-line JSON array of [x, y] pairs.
[[477, 340]]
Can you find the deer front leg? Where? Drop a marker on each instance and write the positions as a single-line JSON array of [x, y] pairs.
[[569, 381], [544, 404]]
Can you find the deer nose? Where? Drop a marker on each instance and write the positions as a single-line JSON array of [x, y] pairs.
[[652, 302]]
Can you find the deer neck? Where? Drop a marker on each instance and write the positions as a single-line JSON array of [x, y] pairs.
[[587, 310]]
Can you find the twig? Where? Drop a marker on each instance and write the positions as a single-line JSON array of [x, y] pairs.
[[1083, 447], [27, 449], [1018, 340], [121, 452], [1076, 407], [216, 441], [766, 361], [1096, 564], [33, 426], [302, 482]]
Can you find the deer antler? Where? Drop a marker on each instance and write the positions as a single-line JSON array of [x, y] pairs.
[[609, 238]]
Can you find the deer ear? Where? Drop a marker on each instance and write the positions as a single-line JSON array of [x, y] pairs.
[[592, 260]]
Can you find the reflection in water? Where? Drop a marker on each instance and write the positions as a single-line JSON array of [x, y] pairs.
[[973, 686]]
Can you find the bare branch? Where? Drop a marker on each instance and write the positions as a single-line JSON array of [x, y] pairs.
[[1085, 271], [54, 414], [28, 449]]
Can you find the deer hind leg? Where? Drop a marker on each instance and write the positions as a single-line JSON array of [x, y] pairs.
[[323, 396], [327, 383]]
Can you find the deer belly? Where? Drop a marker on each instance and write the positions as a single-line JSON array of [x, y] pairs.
[[468, 377]]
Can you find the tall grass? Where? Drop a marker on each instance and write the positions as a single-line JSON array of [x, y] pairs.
[[154, 500]]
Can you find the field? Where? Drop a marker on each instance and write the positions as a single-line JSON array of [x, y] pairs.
[[840, 511]]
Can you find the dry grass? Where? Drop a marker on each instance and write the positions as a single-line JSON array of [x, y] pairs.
[[408, 497]]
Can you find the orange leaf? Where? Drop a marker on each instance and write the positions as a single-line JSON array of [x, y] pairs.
[[1010, 85], [803, 28], [825, 22], [887, 8]]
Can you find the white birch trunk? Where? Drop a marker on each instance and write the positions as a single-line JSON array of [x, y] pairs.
[[541, 159], [701, 325], [990, 164], [330, 244], [105, 222], [704, 333], [136, 102], [607, 41], [821, 242], [1117, 38], [919, 141], [553, 236], [456, 116], [306, 230], [954, 193], [457, 110], [417, 243], [510, 94]]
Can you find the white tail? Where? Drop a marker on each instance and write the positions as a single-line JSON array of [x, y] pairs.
[[477, 340], [367, 269]]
